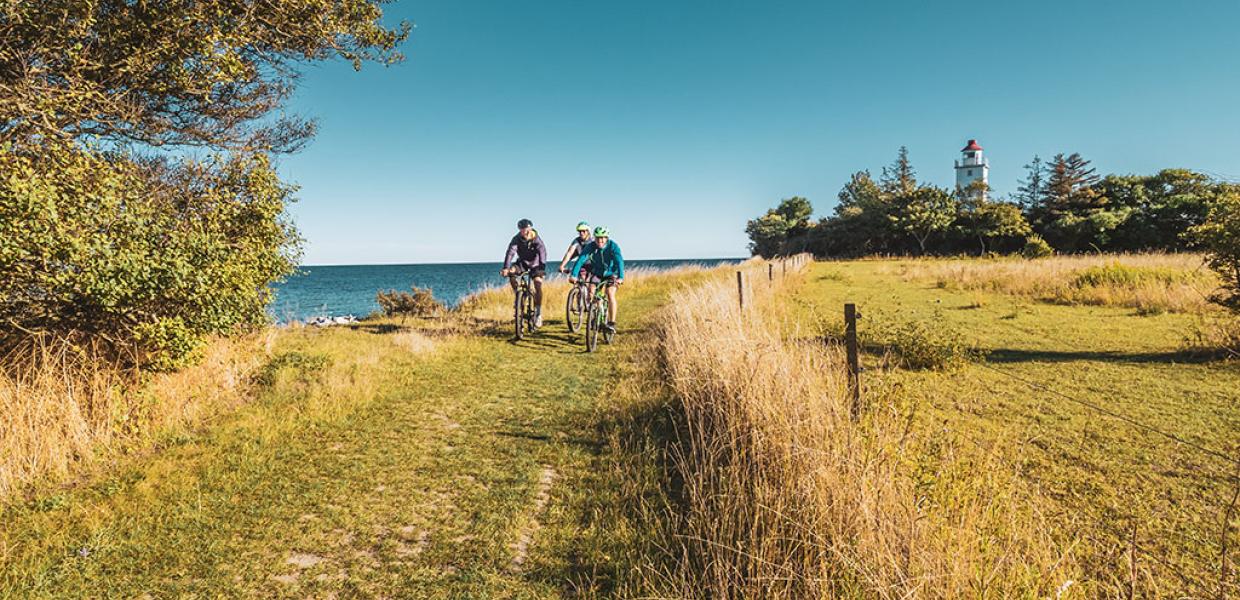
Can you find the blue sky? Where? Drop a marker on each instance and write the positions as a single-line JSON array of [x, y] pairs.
[[675, 122]]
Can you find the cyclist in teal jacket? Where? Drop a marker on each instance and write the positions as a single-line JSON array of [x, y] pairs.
[[606, 261]]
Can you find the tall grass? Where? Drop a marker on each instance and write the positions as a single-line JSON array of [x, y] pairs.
[[63, 410], [1147, 282], [784, 496]]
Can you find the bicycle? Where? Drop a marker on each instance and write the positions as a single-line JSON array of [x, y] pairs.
[[523, 305], [576, 307], [598, 316]]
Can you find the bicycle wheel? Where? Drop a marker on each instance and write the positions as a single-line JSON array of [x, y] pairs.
[[592, 327], [574, 310], [527, 311], [517, 304]]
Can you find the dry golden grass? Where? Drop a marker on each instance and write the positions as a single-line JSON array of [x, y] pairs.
[[786, 497], [1147, 282], [61, 410]]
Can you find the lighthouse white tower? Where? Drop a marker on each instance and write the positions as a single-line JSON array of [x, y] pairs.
[[972, 167]]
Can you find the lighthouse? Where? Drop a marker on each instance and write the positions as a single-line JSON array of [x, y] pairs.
[[972, 166]]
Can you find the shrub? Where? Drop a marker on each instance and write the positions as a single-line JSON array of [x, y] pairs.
[[926, 345], [1117, 274], [1036, 247], [1220, 236], [146, 256], [418, 302]]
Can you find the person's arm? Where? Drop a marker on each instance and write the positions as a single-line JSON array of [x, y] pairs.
[[511, 254], [581, 260], [542, 251], [619, 262], [568, 255]]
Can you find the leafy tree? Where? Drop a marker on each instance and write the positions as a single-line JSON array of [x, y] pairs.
[[1073, 214], [210, 74], [769, 234], [923, 212], [1220, 236], [1161, 207], [984, 220], [109, 234]]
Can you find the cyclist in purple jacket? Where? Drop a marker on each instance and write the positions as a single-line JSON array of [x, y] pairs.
[[527, 252]]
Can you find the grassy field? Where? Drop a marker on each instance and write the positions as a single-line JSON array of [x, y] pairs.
[[1036, 378], [707, 453]]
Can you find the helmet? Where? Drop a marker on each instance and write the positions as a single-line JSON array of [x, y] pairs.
[[523, 223], [583, 226], [601, 231]]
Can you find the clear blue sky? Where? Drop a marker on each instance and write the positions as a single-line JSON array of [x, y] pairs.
[[675, 122]]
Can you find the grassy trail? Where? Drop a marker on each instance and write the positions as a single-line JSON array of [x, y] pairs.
[[468, 471]]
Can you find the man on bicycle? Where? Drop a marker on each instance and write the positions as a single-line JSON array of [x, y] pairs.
[[606, 262], [578, 246], [527, 252]]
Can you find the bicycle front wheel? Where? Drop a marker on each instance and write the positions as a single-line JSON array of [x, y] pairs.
[[574, 310], [518, 303], [527, 311], [592, 327]]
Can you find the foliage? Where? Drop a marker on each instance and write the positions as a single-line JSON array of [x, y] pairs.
[[922, 212], [1036, 247], [418, 302], [1220, 236], [175, 73], [983, 219], [926, 345], [770, 234], [108, 233], [150, 253]]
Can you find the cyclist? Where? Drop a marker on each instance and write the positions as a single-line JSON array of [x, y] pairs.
[[527, 252], [606, 261], [578, 246]]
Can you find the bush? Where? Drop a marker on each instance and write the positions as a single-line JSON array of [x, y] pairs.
[[1036, 247], [418, 302], [1117, 274], [925, 345], [142, 258], [1220, 236]]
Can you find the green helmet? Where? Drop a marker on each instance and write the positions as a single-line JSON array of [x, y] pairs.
[[583, 226], [601, 231]]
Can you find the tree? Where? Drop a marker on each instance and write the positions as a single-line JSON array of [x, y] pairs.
[[110, 235], [1073, 214], [158, 74], [899, 178], [923, 212], [770, 234], [1220, 236], [983, 219], [1031, 189]]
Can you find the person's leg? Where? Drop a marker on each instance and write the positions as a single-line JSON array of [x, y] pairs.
[[612, 305], [512, 281]]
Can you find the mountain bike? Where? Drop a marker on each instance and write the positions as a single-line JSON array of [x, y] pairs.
[[576, 307], [523, 305], [598, 316]]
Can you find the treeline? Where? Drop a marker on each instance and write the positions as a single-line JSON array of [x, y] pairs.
[[1062, 205]]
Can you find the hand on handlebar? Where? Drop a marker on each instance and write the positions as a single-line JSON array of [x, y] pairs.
[[572, 280]]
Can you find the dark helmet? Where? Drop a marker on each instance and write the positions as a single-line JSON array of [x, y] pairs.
[[523, 223]]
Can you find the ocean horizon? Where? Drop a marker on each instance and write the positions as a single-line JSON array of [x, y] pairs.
[[341, 290]]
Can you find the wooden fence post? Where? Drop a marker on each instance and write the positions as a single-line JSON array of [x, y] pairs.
[[740, 289], [770, 272], [854, 361]]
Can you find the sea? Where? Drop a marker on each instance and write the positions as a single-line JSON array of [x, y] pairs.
[[341, 290]]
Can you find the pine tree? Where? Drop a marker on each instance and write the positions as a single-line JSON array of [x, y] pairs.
[[899, 178], [1032, 187]]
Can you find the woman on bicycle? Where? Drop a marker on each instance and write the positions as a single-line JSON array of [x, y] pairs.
[[606, 262], [527, 252]]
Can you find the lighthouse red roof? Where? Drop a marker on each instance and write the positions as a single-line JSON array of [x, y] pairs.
[[973, 145]]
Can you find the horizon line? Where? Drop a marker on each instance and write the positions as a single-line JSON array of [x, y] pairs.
[[487, 262]]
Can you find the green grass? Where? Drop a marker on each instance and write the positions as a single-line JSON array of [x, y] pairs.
[[1098, 476], [366, 470]]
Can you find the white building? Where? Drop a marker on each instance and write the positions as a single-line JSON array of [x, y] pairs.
[[972, 167]]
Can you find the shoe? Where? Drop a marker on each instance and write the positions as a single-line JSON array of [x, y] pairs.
[[610, 327], [537, 321]]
